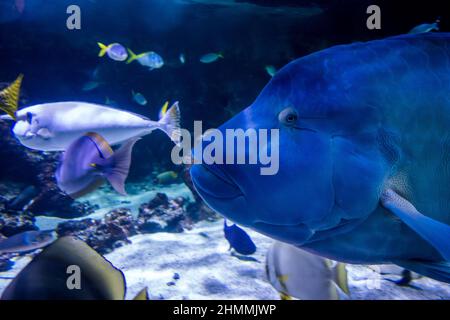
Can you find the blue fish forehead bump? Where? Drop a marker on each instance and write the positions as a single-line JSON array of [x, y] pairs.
[[353, 121]]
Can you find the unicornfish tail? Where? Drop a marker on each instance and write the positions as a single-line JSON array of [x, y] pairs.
[[170, 121], [9, 97], [103, 49]]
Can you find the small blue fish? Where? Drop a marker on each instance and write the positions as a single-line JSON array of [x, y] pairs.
[[271, 70], [182, 58], [426, 27], [211, 57], [139, 98], [115, 51], [239, 239], [91, 85], [151, 59], [89, 161]]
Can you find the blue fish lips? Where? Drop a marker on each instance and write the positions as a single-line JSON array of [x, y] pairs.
[[213, 182], [220, 192]]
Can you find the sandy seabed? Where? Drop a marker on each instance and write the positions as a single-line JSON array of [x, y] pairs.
[[206, 269]]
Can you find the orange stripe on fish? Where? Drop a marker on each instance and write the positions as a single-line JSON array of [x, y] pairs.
[[103, 145]]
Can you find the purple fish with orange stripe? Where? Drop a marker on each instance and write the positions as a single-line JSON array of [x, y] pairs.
[[89, 162]]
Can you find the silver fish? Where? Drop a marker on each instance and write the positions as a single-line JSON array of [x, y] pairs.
[[26, 241]]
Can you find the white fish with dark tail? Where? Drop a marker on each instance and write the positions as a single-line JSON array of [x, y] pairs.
[[54, 126], [303, 275]]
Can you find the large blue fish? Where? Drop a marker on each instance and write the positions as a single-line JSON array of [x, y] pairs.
[[238, 239], [364, 140]]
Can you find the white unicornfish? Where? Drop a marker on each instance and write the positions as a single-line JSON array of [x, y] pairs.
[[54, 126]]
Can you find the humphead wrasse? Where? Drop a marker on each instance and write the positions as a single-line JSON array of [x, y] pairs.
[[364, 141]]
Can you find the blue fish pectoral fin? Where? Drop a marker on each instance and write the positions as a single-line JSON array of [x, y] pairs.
[[436, 270], [118, 166], [435, 232]]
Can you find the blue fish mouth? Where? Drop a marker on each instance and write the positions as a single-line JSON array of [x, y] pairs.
[[213, 182]]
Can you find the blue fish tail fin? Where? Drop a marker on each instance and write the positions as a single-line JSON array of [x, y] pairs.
[[170, 122], [437, 270], [119, 167]]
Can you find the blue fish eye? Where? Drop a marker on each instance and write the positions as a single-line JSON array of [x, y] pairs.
[[288, 116]]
